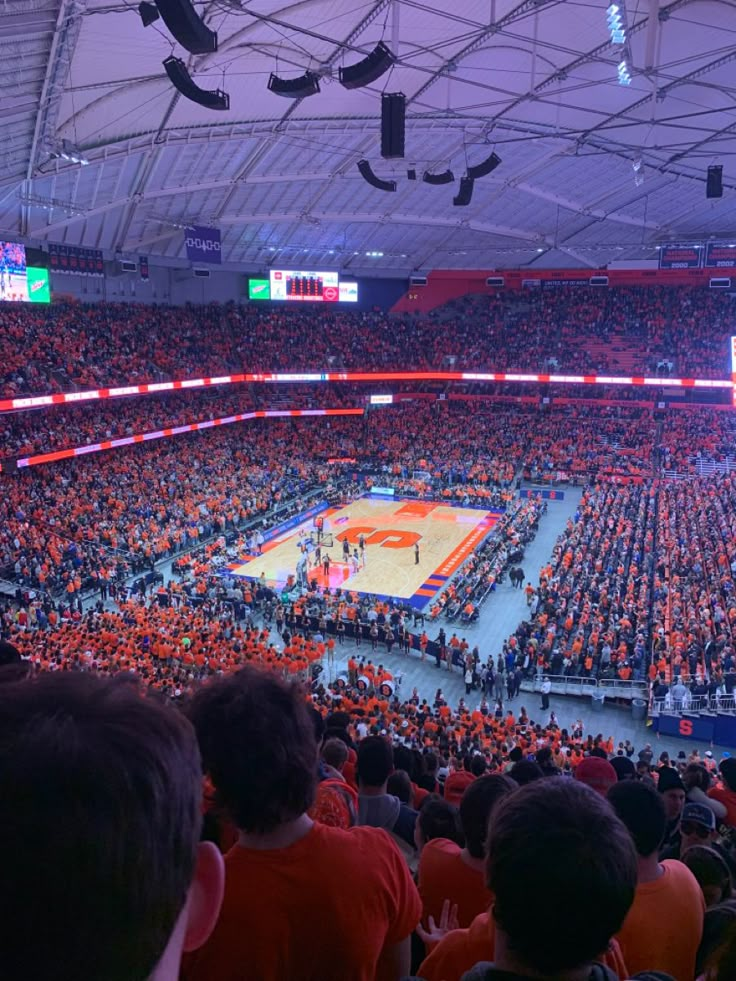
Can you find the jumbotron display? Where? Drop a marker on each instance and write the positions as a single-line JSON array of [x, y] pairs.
[[319, 287], [20, 283]]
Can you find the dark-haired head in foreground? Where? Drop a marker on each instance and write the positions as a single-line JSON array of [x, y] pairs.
[[557, 838], [103, 875], [303, 900]]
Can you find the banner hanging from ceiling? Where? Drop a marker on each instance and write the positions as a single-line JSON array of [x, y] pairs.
[[679, 256], [203, 244], [720, 256]]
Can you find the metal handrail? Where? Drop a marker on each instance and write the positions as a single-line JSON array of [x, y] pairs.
[[724, 704], [631, 685]]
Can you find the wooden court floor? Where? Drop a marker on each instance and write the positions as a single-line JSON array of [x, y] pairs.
[[392, 528]]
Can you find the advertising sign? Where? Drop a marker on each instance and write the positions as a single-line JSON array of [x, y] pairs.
[[259, 289]]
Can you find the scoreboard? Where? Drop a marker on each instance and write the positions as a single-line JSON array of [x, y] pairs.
[[305, 285]]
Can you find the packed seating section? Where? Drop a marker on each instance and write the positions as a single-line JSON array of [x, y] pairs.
[[624, 330], [639, 585]]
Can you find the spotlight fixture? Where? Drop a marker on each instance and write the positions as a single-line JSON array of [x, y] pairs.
[[294, 88], [50, 204], [484, 168], [149, 13], [463, 196], [624, 75], [615, 18], [187, 26], [638, 167], [184, 83], [69, 152], [367, 174], [446, 177], [377, 63]]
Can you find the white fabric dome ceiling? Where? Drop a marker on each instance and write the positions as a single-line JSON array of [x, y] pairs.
[[534, 81]]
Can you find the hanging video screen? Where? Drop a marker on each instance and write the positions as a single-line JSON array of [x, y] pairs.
[[20, 283], [319, 287]]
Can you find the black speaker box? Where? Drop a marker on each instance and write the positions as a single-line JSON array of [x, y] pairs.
[[294, 88], [714, 183], [393, 124], [187, 26], [184, 83], [369, 69], [463, 196]]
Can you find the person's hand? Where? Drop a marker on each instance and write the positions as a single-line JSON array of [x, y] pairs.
[[436, 931]]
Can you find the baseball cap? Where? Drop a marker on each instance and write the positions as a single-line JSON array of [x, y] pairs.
[[456, 785], [699, 814], [597, 773]]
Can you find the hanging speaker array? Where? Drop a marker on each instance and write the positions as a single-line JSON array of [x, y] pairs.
[[393, 124], [294, 88], [446, 177], [186, 26], [463, 196], [183, 82], [367, 174], [485, 168], [377, 63]]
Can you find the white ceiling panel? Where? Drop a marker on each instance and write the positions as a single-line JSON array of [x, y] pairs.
[[534, 81]]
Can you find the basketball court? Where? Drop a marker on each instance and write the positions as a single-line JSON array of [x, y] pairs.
[[391, 529]]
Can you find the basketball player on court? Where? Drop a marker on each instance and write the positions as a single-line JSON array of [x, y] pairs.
[[416, 553]]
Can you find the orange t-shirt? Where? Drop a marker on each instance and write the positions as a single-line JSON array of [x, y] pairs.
[[728, 799], [460, 950], [444, 875], [663, 928], [286, 913]]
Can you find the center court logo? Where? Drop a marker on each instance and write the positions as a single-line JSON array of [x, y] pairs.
[[385, 537]]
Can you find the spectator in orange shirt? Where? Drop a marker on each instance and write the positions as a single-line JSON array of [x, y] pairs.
[[108, 880], [285, 912], [449, 872], [664, 926], [437, 819], [580, 854]]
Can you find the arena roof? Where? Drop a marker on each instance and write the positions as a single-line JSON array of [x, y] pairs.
[[536, 82]]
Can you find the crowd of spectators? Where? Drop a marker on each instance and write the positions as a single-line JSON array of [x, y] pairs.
[[697, 440], [69, 345], [696, 608], [73, 520], [590, 615], [42, 430], [426, 833], [259, 822]]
